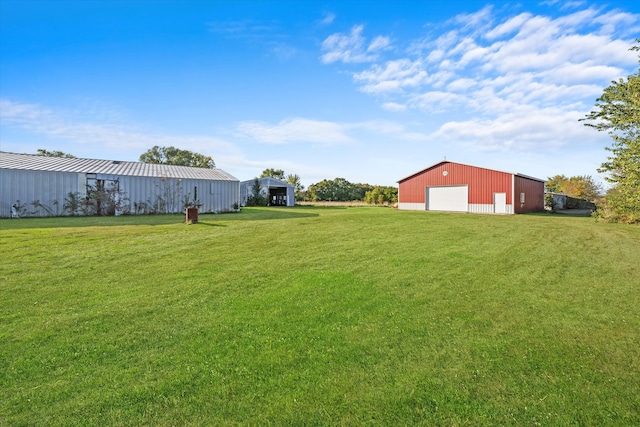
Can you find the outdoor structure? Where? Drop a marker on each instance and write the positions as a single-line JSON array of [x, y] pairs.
[[32, 185], [455, 187], [277, 192]]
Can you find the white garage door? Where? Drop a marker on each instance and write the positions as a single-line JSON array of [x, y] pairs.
[[451, 199]]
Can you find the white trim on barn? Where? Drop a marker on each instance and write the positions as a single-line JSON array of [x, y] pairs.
[[411, 206], [42, 184]]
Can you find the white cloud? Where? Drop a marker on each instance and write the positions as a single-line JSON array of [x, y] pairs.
[[508, 27], [301, 130], [328, 18], [526, 58], [350, 48], [615, 21], [525, 129], [395, 130], [393, 106], [295, 130], [475, 21], [461, 85], [437, 101], [393, 76], [379, 43], [65, 125]]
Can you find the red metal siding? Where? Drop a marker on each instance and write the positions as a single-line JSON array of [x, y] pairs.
[[482, 183], [533, 195]]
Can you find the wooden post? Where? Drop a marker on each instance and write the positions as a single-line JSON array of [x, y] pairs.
[[192, 215]]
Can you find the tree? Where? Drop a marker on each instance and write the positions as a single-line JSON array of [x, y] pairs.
[[273, 173], [336, 190], [381, 195], [580, 187], [176, 156], [256, 198], [47, 153], [360, 191], [554, 183], [297, 185], [618, 113]]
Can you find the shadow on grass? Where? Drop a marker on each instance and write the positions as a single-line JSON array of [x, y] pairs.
[[89, 221], [558, 215], [262, 214], [208, 224], [207, 219]]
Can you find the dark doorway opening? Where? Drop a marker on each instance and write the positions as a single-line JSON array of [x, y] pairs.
[[277, 196]]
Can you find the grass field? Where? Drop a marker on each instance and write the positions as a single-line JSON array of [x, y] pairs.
[[320, 316]]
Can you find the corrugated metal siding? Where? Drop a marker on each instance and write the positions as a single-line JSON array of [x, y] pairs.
[[49, 188], [482, 183], [215, 196], [534, 194]]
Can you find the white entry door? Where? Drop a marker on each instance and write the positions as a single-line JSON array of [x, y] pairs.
[[500, 203], [451, 199]]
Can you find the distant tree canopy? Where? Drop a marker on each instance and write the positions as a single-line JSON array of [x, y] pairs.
[[47, 153], [297, 185], [618, 113], [341, 190], [381, 195], [176, 156], [579, 187], [335, 190], [273, 173]]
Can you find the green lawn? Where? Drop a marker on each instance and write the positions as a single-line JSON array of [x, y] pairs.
[[319, 316]]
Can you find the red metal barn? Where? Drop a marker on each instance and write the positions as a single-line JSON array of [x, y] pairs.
[[455, 187]]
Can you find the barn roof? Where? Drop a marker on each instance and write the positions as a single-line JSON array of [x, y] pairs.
[[472, 166], [268, 181], [108, 167]]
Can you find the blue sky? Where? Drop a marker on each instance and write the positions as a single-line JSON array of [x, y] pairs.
[[322, 89]]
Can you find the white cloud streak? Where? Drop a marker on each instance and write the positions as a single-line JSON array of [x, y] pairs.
[[516, 131], [67, 126], [323, 133], [327, 18], [523, 76], [352, 47], [295, 130]]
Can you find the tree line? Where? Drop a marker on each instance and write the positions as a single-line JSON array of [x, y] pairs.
[[335, 190], [341, 190]]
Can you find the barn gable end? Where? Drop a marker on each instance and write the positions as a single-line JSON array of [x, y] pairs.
[[456, 187], [275, 191]]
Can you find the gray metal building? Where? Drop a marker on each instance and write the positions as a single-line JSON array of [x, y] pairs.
[[40, 185], [277, 192]]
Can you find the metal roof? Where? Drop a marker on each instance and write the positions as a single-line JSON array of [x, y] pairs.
[[268, 181], [108, 167], [479, 167]]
